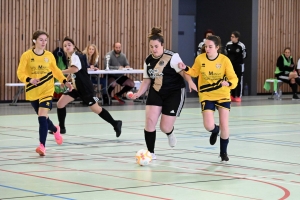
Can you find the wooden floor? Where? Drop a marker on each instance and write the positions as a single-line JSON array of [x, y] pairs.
[[264, 152]]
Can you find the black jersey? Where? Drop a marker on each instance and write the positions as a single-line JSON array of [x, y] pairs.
[[81, 78], [236, 52], [164, 72]]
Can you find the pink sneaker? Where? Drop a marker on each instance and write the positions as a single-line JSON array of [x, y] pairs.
[[232, 98], [41, 150], [57, 136], [238, 99]]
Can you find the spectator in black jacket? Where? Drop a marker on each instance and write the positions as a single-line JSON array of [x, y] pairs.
[[286, 72], [236, 52]]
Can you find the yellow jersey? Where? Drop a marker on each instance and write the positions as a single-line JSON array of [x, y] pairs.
[[42, 67], [211, 73]]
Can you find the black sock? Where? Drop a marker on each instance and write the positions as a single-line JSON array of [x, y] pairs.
[[107, 117], [294, 87], [110, 89], [124, 89], [150, 138], [297, 80], [43, 130], [171, 131], [62, 113], [223, 145], [51, 127], [215, 130]]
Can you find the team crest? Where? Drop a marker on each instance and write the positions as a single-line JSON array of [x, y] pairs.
[[73, 76], [46, 60], [218, 65], [161, 63], [237, 50]]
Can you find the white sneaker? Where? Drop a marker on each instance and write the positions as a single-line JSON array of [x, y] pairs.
[[153, 156], [172, 140]]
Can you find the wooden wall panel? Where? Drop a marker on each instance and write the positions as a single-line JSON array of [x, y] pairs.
[[279, 27], [101, 22]]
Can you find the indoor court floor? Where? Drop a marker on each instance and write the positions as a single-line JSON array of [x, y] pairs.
[[264, 153]]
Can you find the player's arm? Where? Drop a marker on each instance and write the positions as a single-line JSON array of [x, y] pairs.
[[194, 71], [22, 73], [145, 84], [230, 74]]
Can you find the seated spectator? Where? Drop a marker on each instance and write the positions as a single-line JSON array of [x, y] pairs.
[[285, 71], [298, 67], [117, 61], [201, 48], [92, 57]]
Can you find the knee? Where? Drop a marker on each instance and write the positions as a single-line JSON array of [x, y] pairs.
[[209, 126], [166, 128], [131, 83], [60, 105]]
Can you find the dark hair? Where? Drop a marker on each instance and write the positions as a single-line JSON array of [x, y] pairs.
[[37, 33], [216, 40], [236, 34], [156, 35], [67, 38], [289, 48], [208, 31]]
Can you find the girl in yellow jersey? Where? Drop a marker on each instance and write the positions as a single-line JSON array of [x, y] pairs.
[[37, 69], [216, 79]]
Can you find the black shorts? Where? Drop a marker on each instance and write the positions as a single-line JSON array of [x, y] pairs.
[[212, 105], [89, 100], [171, 103], [283, 78], [119, 80]]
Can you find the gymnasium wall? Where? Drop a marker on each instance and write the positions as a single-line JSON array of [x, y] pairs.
[[277, 24], [101, 22], [278, 27]]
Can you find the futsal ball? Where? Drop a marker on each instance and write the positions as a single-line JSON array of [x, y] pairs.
[[129, 95], [143, 157]]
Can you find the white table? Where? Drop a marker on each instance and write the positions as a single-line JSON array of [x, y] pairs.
[[107, 72], [19, 91], [98, 72]]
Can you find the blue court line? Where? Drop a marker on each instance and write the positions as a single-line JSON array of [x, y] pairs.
[[30, 191]]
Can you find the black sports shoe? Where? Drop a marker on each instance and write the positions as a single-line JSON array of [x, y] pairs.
[[295, 97], [224, 157], [62, 131], [119, 98], [214, 136], [118, 127]]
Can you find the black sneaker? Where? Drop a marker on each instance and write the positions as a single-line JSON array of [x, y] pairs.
[[62, 131], [213, 137], [295, 97], [118, 127], [120, 100], [224, 157]]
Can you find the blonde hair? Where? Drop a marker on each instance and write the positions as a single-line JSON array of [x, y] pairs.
[[92, 60]]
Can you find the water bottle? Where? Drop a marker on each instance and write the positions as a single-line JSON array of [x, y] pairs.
[[246, 91], [279, 95]]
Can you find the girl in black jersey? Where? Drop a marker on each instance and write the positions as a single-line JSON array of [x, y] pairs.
[[83, 88], [167, 90]]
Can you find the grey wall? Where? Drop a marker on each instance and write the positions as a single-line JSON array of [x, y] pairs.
[[223, 17]]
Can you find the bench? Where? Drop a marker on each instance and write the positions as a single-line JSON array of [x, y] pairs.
[[276, 85], [19, 91]]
